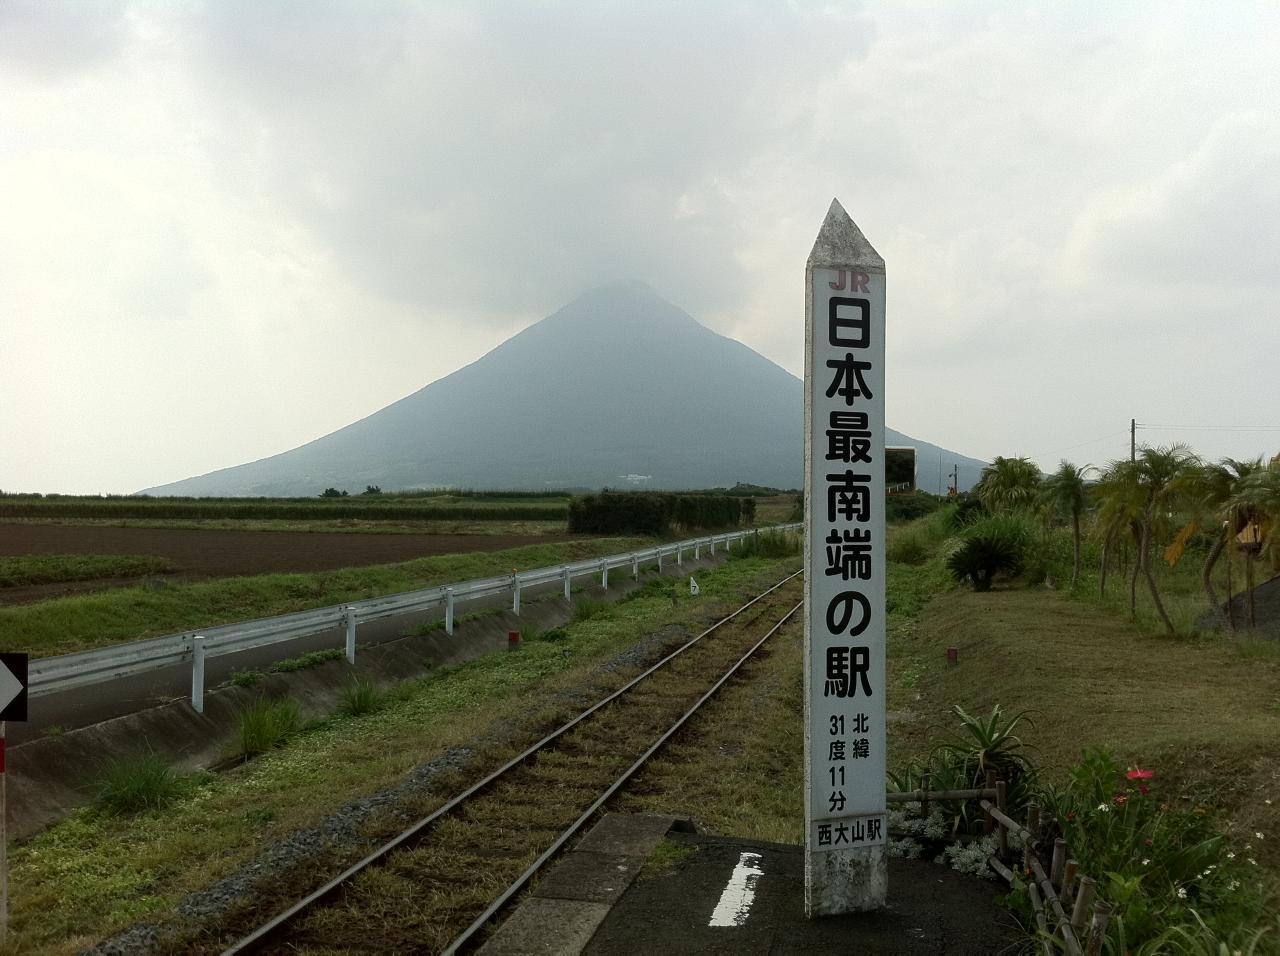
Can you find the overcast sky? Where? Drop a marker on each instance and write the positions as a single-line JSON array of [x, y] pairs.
[[228, 228]]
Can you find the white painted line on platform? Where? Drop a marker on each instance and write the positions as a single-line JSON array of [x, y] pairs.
[[739, 893]]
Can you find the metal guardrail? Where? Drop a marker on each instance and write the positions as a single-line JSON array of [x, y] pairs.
[[51, 675]]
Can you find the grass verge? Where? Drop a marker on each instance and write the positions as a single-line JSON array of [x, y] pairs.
[[31, 569], [94, 874], [87, 621]]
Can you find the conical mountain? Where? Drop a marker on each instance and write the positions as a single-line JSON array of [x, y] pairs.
[[619, 382]]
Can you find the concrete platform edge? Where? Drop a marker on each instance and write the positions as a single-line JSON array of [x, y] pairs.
[[566, 909]]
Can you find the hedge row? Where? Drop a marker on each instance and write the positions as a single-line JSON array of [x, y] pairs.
[[656, 513]]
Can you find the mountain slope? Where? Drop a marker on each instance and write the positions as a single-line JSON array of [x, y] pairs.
[[618, 382]]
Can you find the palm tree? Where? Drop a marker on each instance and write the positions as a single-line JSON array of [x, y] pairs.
[[1066, 492], [1120, 502], [1255, 506], [1008, 484], [1214, 488], [1161, 474]]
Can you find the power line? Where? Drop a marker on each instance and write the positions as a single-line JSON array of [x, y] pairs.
[[1091, 441], [1216, 428]]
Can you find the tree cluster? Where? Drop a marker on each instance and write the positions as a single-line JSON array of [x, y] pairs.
[[639, 512]]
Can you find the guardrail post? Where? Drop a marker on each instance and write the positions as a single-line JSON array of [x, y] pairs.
[[713, 546], [566, 584], [448, 610], [635, 566], [680, 555], [658, 551], [350, 618], [197, 674], [515, 594], [697, 549], [604, 574]]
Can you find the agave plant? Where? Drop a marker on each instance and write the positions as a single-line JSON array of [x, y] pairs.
[[985, 744]]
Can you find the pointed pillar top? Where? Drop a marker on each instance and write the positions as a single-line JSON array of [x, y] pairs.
[[841, 243]]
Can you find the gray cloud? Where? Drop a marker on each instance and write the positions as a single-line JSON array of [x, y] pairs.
[[54, 41], [1072, 200]]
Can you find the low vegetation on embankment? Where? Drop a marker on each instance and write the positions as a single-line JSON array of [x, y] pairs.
[[102, 870], [86, 621]]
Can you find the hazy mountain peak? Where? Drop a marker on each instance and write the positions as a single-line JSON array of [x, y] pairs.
[[618, 382]]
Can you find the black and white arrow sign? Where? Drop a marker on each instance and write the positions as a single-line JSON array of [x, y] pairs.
[[13, 686]]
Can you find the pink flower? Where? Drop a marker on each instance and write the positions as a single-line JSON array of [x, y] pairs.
[[1138, 774]]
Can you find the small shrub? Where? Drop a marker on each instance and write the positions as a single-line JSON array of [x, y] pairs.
[[247, 678], [910, 507], [654, 588], [265, 725], [968, 509], [584, 609], [552, 635], [909, 546], [303, 661], [138, 783], [360, 697], [767, 544], [993, 545]]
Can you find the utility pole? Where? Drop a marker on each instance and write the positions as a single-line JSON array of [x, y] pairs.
[[955, 478], [1133, 439]]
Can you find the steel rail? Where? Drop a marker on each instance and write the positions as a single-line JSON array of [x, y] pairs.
[[568, 834], [264, 932]]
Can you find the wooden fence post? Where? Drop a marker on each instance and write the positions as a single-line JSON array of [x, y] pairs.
[[1001, 797], [1084, 899], [987, 822], [1098, 927], [1059, 862]]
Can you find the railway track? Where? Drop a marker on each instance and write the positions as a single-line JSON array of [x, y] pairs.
[[438, 884]]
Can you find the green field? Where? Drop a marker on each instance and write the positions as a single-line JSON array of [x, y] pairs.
[[82, 622], [56, 568]]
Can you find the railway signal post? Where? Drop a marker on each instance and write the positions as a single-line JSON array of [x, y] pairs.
[[846, 831]]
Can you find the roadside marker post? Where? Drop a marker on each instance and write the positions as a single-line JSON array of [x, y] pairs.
[[515, 593], [197, 674], [13, 706], [350, 618], [448, 610], [604, 574], [846, 838]]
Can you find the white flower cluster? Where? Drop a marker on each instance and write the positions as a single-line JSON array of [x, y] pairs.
[[970, 858], [905, 849], [933, 827]]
